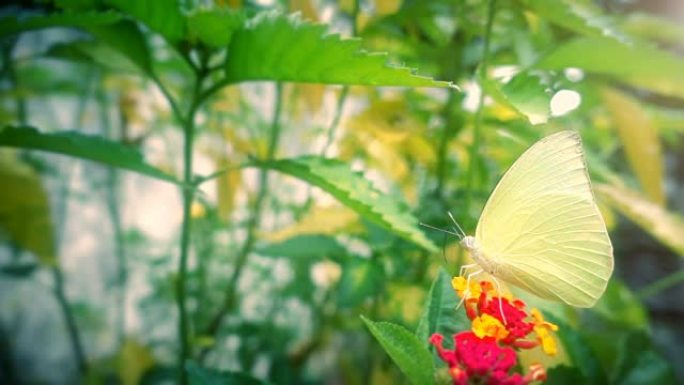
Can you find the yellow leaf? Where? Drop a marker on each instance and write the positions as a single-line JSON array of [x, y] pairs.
[[320, 220], [386, 7], [306, 7], [24, 208], [134, 360], [227, 186], [640, 140], [667, 227]]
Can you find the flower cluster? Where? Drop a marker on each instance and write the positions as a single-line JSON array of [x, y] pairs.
[[500, 325]]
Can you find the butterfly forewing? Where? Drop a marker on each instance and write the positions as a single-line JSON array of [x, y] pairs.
[[541, 226]]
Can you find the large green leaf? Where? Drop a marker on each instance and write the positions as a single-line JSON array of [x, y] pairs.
[[204, 376], [14, 24], [440, 314], [641, 65], [214, 27], [24, 208], [162, 16], [273, 46], [638, 363], [409, 353], [82, 146], [354, 191], [665, 226]]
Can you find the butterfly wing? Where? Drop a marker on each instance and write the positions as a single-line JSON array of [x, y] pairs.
[[541, 227]]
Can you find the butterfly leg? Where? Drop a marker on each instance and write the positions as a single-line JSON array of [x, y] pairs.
[[498, 292], [466, 293], [464, 268]]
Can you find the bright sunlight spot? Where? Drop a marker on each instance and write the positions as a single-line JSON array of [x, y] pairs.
[[565, 101]]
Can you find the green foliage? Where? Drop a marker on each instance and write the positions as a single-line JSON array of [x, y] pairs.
[[526, 94], [203, 376], [410, 354], [638, 363], [351, 189], [260, 273], [580, 353], [579, 17], [163, 16], [11, 25], [214, 27], [642, 65], [440, 314], [82, 146], [273, 46]]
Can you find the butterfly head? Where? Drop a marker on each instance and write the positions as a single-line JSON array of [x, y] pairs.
[[470, 243]]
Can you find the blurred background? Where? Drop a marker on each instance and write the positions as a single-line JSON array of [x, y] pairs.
[[279, 271]]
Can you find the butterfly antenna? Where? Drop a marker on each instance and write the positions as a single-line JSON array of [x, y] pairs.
[[463, 234], [438, 229]]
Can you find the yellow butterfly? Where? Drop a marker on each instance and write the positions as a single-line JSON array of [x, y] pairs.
[[541, 229]]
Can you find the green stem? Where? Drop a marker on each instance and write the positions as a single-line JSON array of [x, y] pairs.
[[661, 284], [253, 223], [188, 123], [336, 120], [477, 126]]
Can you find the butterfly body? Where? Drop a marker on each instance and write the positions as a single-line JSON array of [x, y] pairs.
[[541, 229]]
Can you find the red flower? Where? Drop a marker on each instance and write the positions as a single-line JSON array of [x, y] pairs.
[[486, 354], [482, 361]]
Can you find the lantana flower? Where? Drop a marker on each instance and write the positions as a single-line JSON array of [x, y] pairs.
[[500, 326]]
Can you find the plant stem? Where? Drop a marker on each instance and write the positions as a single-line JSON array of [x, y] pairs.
[[661, 284], [253, 223], [477, 126], [188, 123], [336, 120]]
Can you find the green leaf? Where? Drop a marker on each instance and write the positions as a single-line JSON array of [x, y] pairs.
[[440, 314], [25, 217], [204, 376], [357, 193], [304, 246], [162, 16], [579, 352], [360, 279], [579, 17], [526, 94], [214, 27], [126, 38], [273, 46], [121, 35], [82, 146], [638, 363], [641, 65], [564, 375], [14, 24], [665, 226], [410, 354]]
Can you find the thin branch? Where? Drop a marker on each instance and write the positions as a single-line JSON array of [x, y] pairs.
[[242, 257], [665, 283]]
